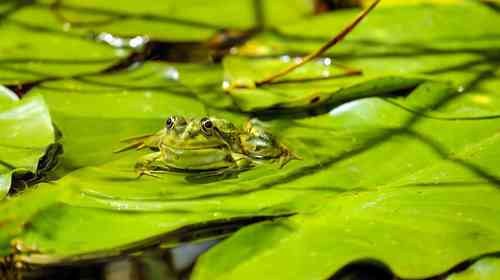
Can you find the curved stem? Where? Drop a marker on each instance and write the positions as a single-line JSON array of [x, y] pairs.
[[322, 49]]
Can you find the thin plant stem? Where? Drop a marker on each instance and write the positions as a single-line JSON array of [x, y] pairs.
[[322, 49]]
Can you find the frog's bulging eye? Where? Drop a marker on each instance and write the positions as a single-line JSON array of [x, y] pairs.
[[206, 126], [170, 122]]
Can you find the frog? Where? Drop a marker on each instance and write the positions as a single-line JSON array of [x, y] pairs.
[[207, 144]]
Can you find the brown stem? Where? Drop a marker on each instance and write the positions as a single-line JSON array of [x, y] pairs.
[[321, 50]]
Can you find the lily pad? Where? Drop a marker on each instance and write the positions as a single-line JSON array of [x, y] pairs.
[[26, 134], [408, 178], [361, 139], [456, 43], [191, 20], [39, 47], [428, 202], [429, 225]]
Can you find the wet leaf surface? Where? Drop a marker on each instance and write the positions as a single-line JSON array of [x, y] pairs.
[[429, 46], [190, 20], [399, 164], [39, 47]]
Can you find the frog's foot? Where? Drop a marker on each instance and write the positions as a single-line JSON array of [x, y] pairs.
[[286, 156], [151, 173], [241, 162], [146, 165]]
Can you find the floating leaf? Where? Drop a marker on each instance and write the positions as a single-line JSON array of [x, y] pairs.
[[177, 21], [456, 43], [444, 192], [39, 47], [26, 134], [374, 170], [434, 227]]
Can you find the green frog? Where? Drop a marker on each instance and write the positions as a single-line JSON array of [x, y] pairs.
[[207, 144]]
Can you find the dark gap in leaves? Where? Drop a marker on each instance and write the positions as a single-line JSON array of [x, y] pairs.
[[22, 89], [364, 270], [495, 6], [82, 272], [221, 228], [211, 51], [226, 39], [49, 161], [184, 271], [195, 52], [324, 6]]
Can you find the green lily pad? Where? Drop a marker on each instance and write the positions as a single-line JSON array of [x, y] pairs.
[[190, 20], [431, 202], [483, 269], [60, 233], [374, 172], [360, 138], [429, 225], [456, 43], [26, 134], [39, 47]]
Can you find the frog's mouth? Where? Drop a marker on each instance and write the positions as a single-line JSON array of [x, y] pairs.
[[198, 141], [199, 145]]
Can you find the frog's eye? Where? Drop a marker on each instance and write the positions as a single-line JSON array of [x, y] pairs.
[[170, 122], [206, 126]]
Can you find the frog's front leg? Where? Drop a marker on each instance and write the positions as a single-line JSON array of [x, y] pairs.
[[241, 161], [150, 165]]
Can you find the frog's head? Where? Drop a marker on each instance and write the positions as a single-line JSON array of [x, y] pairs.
[[196, 133]]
